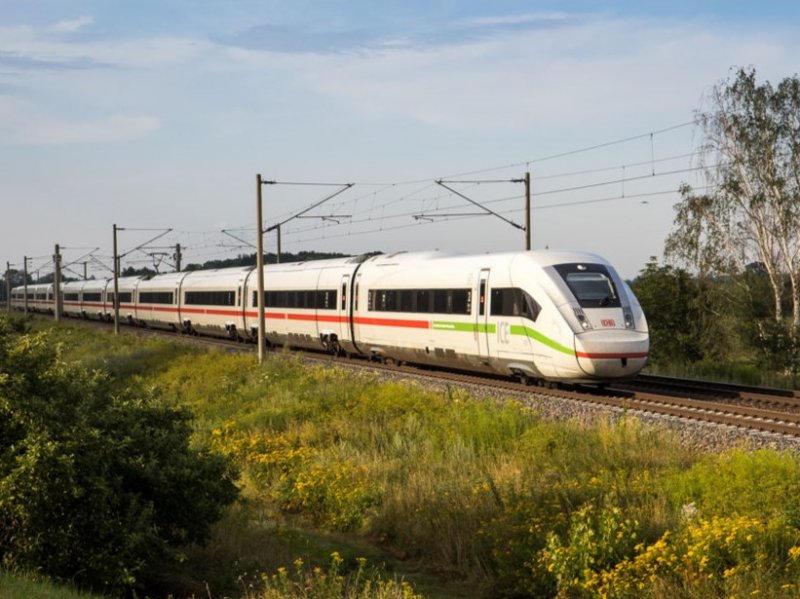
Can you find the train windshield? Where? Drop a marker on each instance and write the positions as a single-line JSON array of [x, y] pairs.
[[591, 285]]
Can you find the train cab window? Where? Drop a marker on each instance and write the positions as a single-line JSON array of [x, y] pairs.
[[512, 301], [591, 285]]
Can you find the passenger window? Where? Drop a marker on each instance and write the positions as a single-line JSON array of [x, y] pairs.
[[512, 301]]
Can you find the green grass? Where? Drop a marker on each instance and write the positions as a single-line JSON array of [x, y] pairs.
[[462, 497], [20, 586]]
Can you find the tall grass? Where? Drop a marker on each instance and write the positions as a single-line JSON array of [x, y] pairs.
[[24, 586]]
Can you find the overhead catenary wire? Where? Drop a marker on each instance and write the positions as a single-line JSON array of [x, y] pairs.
[[607, 182], [419, 222], [379, 204]]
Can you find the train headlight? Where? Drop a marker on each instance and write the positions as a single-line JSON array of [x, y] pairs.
[[582, 319], [628, 320]]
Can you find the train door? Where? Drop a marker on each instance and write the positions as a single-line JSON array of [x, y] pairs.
[[343, 309], [482, 314], [176, 317]]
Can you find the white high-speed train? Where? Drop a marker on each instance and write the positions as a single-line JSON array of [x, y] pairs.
[[543, 315]]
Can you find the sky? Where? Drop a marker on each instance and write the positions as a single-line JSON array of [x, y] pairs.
[[157, 115]]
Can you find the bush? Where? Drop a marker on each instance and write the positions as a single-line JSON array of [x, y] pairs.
[[95, 486]]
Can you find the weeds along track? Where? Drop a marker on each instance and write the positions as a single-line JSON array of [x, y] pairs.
[[747, 408]]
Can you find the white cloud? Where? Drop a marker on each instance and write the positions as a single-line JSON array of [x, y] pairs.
[[23, 42], [524, 19], [574, 73], [71, 26], [19, 124]]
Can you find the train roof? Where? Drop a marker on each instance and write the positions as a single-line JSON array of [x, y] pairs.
[[170, 279], [33, 287], [316, 264], [231, 270], [543, 258]]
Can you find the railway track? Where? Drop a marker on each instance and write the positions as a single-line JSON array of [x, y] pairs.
[[744, 407]]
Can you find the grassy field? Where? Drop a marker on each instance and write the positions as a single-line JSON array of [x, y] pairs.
[[348, 481]]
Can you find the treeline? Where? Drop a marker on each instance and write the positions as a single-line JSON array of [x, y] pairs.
[[739, 237], [720, 326], [269, 258]]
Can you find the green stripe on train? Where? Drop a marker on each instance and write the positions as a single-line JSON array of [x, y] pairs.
[[469, 327], [537, 336], [463, 327]]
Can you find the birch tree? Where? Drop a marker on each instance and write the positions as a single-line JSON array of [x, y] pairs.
[[750, 212]]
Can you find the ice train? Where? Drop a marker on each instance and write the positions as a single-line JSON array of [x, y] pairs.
[[541, 315]]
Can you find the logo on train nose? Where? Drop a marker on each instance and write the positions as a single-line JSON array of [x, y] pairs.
[[608, 322]]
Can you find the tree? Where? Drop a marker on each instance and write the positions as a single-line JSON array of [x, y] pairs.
[[97, 486], [670, 300], [130, 271], [751, 156]]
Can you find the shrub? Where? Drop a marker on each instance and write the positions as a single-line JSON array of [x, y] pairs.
[[95, 486], [597, 540]]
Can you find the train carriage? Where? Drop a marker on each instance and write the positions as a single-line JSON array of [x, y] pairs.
[[93, 301], [40, 298], [417, 307], [306, 304], [211, 301], [18, 299], [157, 301], [71, 298], [127, 297]]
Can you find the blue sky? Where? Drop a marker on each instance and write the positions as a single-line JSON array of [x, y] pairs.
[[158, 114]]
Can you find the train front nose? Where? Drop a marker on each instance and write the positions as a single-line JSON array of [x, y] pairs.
[[612, 353]]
